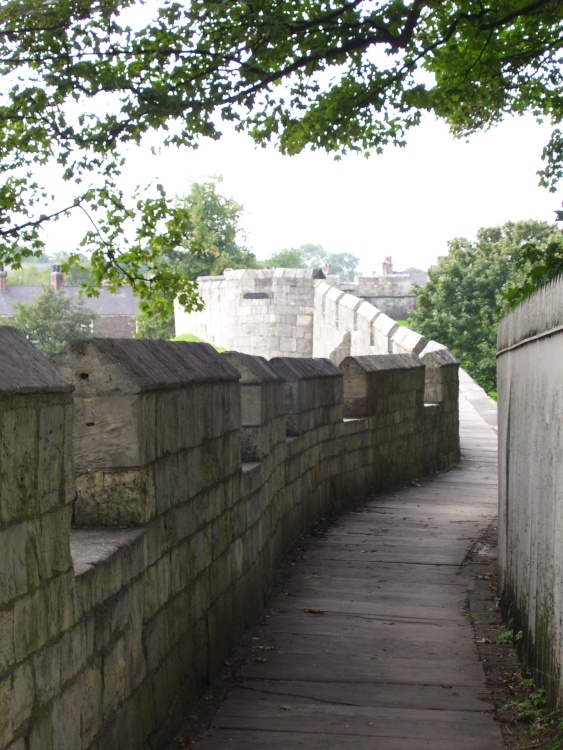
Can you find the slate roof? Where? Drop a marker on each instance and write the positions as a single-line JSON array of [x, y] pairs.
[[121, 303]]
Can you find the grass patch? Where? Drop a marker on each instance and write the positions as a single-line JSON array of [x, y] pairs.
[[531, 707], [191, 338]]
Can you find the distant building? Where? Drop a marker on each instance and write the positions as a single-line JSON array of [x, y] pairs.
[[115, 311], [389, 291]]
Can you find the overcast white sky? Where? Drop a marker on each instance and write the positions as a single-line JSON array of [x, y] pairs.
[[406, 203]]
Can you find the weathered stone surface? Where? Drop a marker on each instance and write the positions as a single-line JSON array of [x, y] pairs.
[[530, 407], [370, 383], [103, 366], [137, 619], [25, 369]]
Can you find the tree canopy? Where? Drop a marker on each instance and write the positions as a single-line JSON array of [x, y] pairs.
[[83, 80], [466, 293], [292, 258], [212, 240], [213, 237]]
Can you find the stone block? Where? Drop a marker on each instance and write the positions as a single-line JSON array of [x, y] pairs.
[[403, 340], [115, 497], [31, 629], [113, 693], [41, 732], [370, 382], [22, 695], [14, 578], [91, 704], [156, 640], [19, 459], [54, 457], [66, 718]]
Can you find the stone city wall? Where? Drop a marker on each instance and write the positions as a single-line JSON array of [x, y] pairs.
[[286, 312], [391, 293], [142, 514], [530, 418], [347, 325]]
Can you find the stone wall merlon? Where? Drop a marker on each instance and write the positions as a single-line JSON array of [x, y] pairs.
[[541, 313], [383, 385], [368, 311], [437, 357], [252, 368], [24, 369], [405, 339], [321, 287], [381, 362], [136, 366], [298, 368], [348, 300], [384, 324], [334, 294]]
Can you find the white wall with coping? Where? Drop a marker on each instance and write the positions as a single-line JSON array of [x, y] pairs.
[[530, 424]]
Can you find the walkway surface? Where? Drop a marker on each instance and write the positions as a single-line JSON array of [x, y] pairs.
[[369, 646]]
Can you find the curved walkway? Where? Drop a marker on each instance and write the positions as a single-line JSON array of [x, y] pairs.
[[369, 645]]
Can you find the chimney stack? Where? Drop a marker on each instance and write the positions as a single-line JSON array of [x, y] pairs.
[[3, 280], [387, 266], [57, 278]]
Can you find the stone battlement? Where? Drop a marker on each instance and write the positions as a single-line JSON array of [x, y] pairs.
[[148, 490], [287, 312]]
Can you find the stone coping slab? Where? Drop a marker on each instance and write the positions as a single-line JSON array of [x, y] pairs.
[[89, 548], [24, 369]]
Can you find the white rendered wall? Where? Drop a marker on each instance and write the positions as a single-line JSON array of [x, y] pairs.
[[530, 411]]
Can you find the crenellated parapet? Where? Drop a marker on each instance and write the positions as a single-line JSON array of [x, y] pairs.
[[148, 490]]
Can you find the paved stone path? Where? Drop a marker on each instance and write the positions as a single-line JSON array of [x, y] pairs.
[[369, 646]]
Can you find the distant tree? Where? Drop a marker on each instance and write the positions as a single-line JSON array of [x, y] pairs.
[[540, 263], [314, 256], [412, 269], [41, 257], [212, 238], [79, 274], [463, 301], [52, 320], [343, 264], [30, 274], [286, 259], [153, 326], [339, 75], [203, 238]]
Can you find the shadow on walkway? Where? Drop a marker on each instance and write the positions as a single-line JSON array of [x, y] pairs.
[[369, 644]]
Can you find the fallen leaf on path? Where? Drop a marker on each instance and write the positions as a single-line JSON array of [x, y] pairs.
[[185, 742]]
